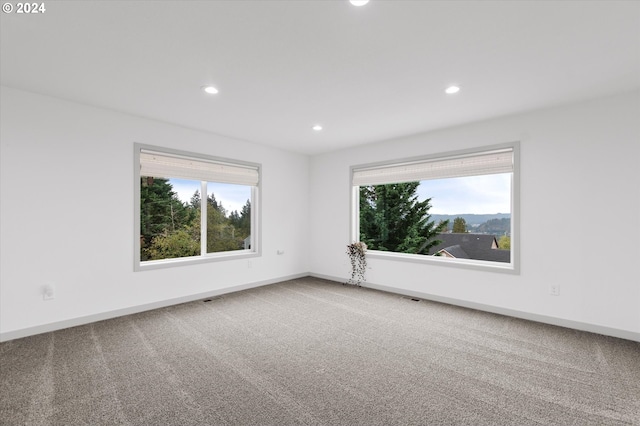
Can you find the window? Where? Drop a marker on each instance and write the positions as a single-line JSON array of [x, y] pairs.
[[193, 208], [458, 208]]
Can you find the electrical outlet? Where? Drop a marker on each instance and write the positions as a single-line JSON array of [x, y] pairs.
[[554, 289], [48, 292], [249, 264]]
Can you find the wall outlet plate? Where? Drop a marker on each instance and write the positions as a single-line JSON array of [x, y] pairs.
[[554, 289], [48, 292]]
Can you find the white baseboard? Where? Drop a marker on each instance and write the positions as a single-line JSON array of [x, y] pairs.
[[576, 325], [73, 322]]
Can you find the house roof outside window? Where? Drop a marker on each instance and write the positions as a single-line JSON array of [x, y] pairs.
[[471, 246]]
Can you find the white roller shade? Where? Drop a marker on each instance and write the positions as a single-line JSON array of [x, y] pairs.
[[165, 165], [499, 161]]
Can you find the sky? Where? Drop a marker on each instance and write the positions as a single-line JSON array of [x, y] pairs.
[[233, 197], [487, 194]]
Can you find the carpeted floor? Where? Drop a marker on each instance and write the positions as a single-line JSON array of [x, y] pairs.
[[313, 352]]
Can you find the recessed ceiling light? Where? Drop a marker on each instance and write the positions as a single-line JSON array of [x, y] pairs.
[[210, 90], [358, 2], [452, 89], [317, 127]]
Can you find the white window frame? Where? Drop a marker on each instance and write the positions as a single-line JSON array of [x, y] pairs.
[[255, 250], [513, 267]]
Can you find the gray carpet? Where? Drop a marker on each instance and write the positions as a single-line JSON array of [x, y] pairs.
[[313, 352]]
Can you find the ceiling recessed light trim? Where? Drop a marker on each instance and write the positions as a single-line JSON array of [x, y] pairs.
[[210, 90], [317, 127], [452, 89], [358, 2]]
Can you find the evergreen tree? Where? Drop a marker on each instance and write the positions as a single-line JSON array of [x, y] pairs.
[[217, 205], [234, 218], [212, 202], [392, 219], [459, 226], [195, 200], [161, 212], [244, 224], [216, 223], [163, 216], [242, 221]]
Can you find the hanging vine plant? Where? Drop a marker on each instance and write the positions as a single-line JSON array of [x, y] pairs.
[[357, 252]]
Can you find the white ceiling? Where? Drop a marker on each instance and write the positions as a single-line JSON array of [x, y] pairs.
[[366, 74]]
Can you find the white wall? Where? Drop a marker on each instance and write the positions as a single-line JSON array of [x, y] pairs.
[[580, 217], [67, 215]]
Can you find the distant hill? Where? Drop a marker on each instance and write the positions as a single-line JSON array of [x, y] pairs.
[[471, 219], [494, 226], [497, 224]]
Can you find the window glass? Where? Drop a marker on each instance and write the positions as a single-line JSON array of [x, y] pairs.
[[228, 218], [177, 222], [467, 218], [169, 225]]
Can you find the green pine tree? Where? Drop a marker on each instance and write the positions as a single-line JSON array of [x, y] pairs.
[[392, 219], [161, 214], [459, 226]]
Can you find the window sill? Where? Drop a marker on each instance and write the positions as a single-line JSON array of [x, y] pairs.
[[483, 265], [194, 260]]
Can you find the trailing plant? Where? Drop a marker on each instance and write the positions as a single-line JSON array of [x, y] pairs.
[[357, 252]]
